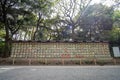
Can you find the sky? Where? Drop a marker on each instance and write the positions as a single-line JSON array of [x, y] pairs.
[[95, 1], [105, 2]]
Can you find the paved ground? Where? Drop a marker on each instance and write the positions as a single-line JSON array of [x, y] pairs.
[[59, 72]]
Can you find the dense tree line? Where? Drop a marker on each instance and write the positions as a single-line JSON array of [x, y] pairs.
[[58, 20]]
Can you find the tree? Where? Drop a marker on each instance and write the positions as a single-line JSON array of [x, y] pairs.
[[7, 19], [15, 13], [70, 13], [96, 22], [81, 20], [115, 32]]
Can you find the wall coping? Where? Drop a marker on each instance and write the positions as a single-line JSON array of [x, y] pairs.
[[59, 41]]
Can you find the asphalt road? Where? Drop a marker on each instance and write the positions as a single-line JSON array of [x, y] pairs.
[[59, 72]]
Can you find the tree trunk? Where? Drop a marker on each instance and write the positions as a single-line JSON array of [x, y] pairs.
[[37, 26], [4, 17], [73, 33], [7, 43]]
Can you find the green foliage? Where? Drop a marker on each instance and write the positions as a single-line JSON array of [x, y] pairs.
[[2, 34], [96, 22], [24, 16], [2, 44], [116, 18], [115, 34], [1, 25], [116, 15]]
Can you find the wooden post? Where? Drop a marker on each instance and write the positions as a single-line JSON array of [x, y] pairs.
[[114, 61], [95, 61], [29, 61], [45, 61], [39, 61], [63, 61], [80, 61], [13, 61]]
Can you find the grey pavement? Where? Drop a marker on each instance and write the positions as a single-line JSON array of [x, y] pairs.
[[59, 72]]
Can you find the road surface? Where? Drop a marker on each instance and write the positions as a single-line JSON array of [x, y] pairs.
[[59, 72]]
